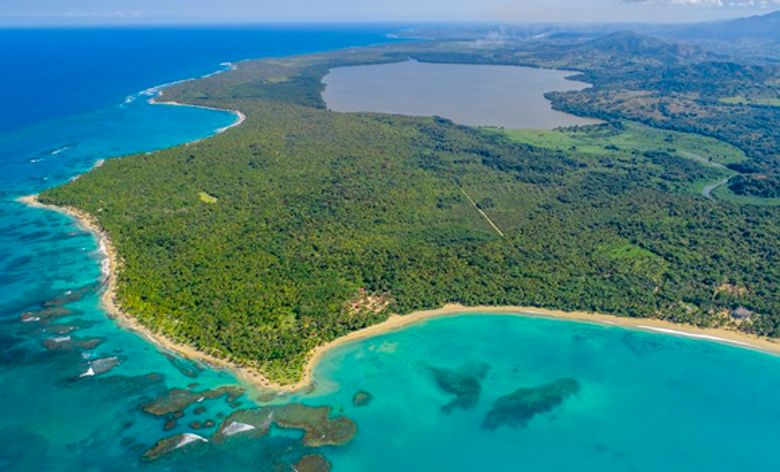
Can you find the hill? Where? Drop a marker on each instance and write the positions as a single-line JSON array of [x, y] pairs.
[[755, 38]]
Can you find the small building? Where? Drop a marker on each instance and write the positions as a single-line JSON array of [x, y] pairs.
[[741, 314]]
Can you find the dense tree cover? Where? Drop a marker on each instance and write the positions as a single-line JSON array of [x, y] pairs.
[[310, 209], [660, 83], [760, 185]]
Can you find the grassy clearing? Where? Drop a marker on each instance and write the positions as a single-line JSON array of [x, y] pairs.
[[741, 100], [206, 198], [633, 137]]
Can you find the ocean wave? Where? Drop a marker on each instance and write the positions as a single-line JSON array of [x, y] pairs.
[[188, 438], [707, 337], [235, 428], [156, 90], [88, 373], [60, 150]]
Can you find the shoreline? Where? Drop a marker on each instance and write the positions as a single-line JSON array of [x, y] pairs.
[[240, 116], [395, 322], [157, 92], [110, 268]]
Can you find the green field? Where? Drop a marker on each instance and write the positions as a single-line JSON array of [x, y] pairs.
[[627, 141], [630, 137], [741, 100]]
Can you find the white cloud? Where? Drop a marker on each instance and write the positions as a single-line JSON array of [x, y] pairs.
[[713, 3]]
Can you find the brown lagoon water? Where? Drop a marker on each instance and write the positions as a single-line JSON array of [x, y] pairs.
[[475, 95]]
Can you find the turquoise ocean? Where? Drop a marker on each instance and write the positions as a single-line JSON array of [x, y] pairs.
[[465, 393]]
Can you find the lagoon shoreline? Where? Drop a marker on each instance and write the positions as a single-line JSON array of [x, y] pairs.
[[254, 377]]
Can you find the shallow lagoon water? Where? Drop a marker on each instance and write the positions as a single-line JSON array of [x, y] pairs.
[[645, 401], [476, 95]]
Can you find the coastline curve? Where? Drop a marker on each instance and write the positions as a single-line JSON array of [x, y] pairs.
[[394, 322]]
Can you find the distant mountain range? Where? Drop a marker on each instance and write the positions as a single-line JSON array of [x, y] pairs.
[[761, 27], [756, 37]]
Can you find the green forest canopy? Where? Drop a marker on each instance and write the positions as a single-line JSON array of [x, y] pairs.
[[304, 224]]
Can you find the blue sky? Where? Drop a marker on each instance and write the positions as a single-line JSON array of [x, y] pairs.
[[15, 12]]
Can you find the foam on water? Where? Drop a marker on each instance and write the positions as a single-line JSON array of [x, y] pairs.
[[90, 372], [235, 428], [189, 438]]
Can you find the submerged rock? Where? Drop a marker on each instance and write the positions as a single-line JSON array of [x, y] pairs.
[[89, 343], [58, 342], [45, 314], [465, 383], [316, 423], [319, 428], [256, 421], [103, 365], [62, 329], [187, 367], [100, 366], [71, 296], [313, 463], [170, 444], [520, 406], [178, 399], [362, 398]]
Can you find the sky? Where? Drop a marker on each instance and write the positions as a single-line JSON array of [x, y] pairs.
[[76, 12]]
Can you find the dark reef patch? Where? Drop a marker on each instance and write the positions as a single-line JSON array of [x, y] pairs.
[[362, 398], [186, 367], [178, 399], [519, 407], [90, 343], [320, 429], [72, 295], [58, 342], [170, 444], [313, 463], [465, 383], [46, 314], [255, 422], [103, 365]]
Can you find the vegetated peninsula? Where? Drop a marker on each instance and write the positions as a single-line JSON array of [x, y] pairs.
[[303, 225]]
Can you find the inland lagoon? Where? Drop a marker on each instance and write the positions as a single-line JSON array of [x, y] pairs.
[[462, 393], [475, 95]]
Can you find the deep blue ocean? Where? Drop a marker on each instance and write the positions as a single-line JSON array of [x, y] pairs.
[[465, 393]]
